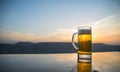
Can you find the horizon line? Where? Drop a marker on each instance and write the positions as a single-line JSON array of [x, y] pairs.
[[55, 42]]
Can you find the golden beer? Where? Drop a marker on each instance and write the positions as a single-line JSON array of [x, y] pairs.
[[84, 51], [84, 67], [84, 43]]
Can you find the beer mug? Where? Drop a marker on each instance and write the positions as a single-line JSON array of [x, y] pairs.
[[84, 49]]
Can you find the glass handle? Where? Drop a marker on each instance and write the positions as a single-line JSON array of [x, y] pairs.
[[73, 41]]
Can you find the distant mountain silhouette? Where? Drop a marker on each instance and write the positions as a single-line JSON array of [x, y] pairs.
[[50, 47]]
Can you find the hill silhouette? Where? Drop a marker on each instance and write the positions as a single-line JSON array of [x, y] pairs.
[[50, 47]]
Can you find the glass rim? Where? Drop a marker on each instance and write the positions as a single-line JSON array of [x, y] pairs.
[[84, 27]]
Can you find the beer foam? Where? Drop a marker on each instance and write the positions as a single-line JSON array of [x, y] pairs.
[[84, 31]]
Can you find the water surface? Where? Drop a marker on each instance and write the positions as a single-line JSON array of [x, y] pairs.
[[102, 62]]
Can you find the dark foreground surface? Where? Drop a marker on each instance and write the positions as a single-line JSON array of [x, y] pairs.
[[50, 47], [101, 62]]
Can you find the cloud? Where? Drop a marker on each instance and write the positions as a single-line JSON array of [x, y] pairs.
[[106, 19], [12, 36], [107, 30], [60, 35]]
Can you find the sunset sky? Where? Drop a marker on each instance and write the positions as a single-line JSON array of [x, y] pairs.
[[57, 20]]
